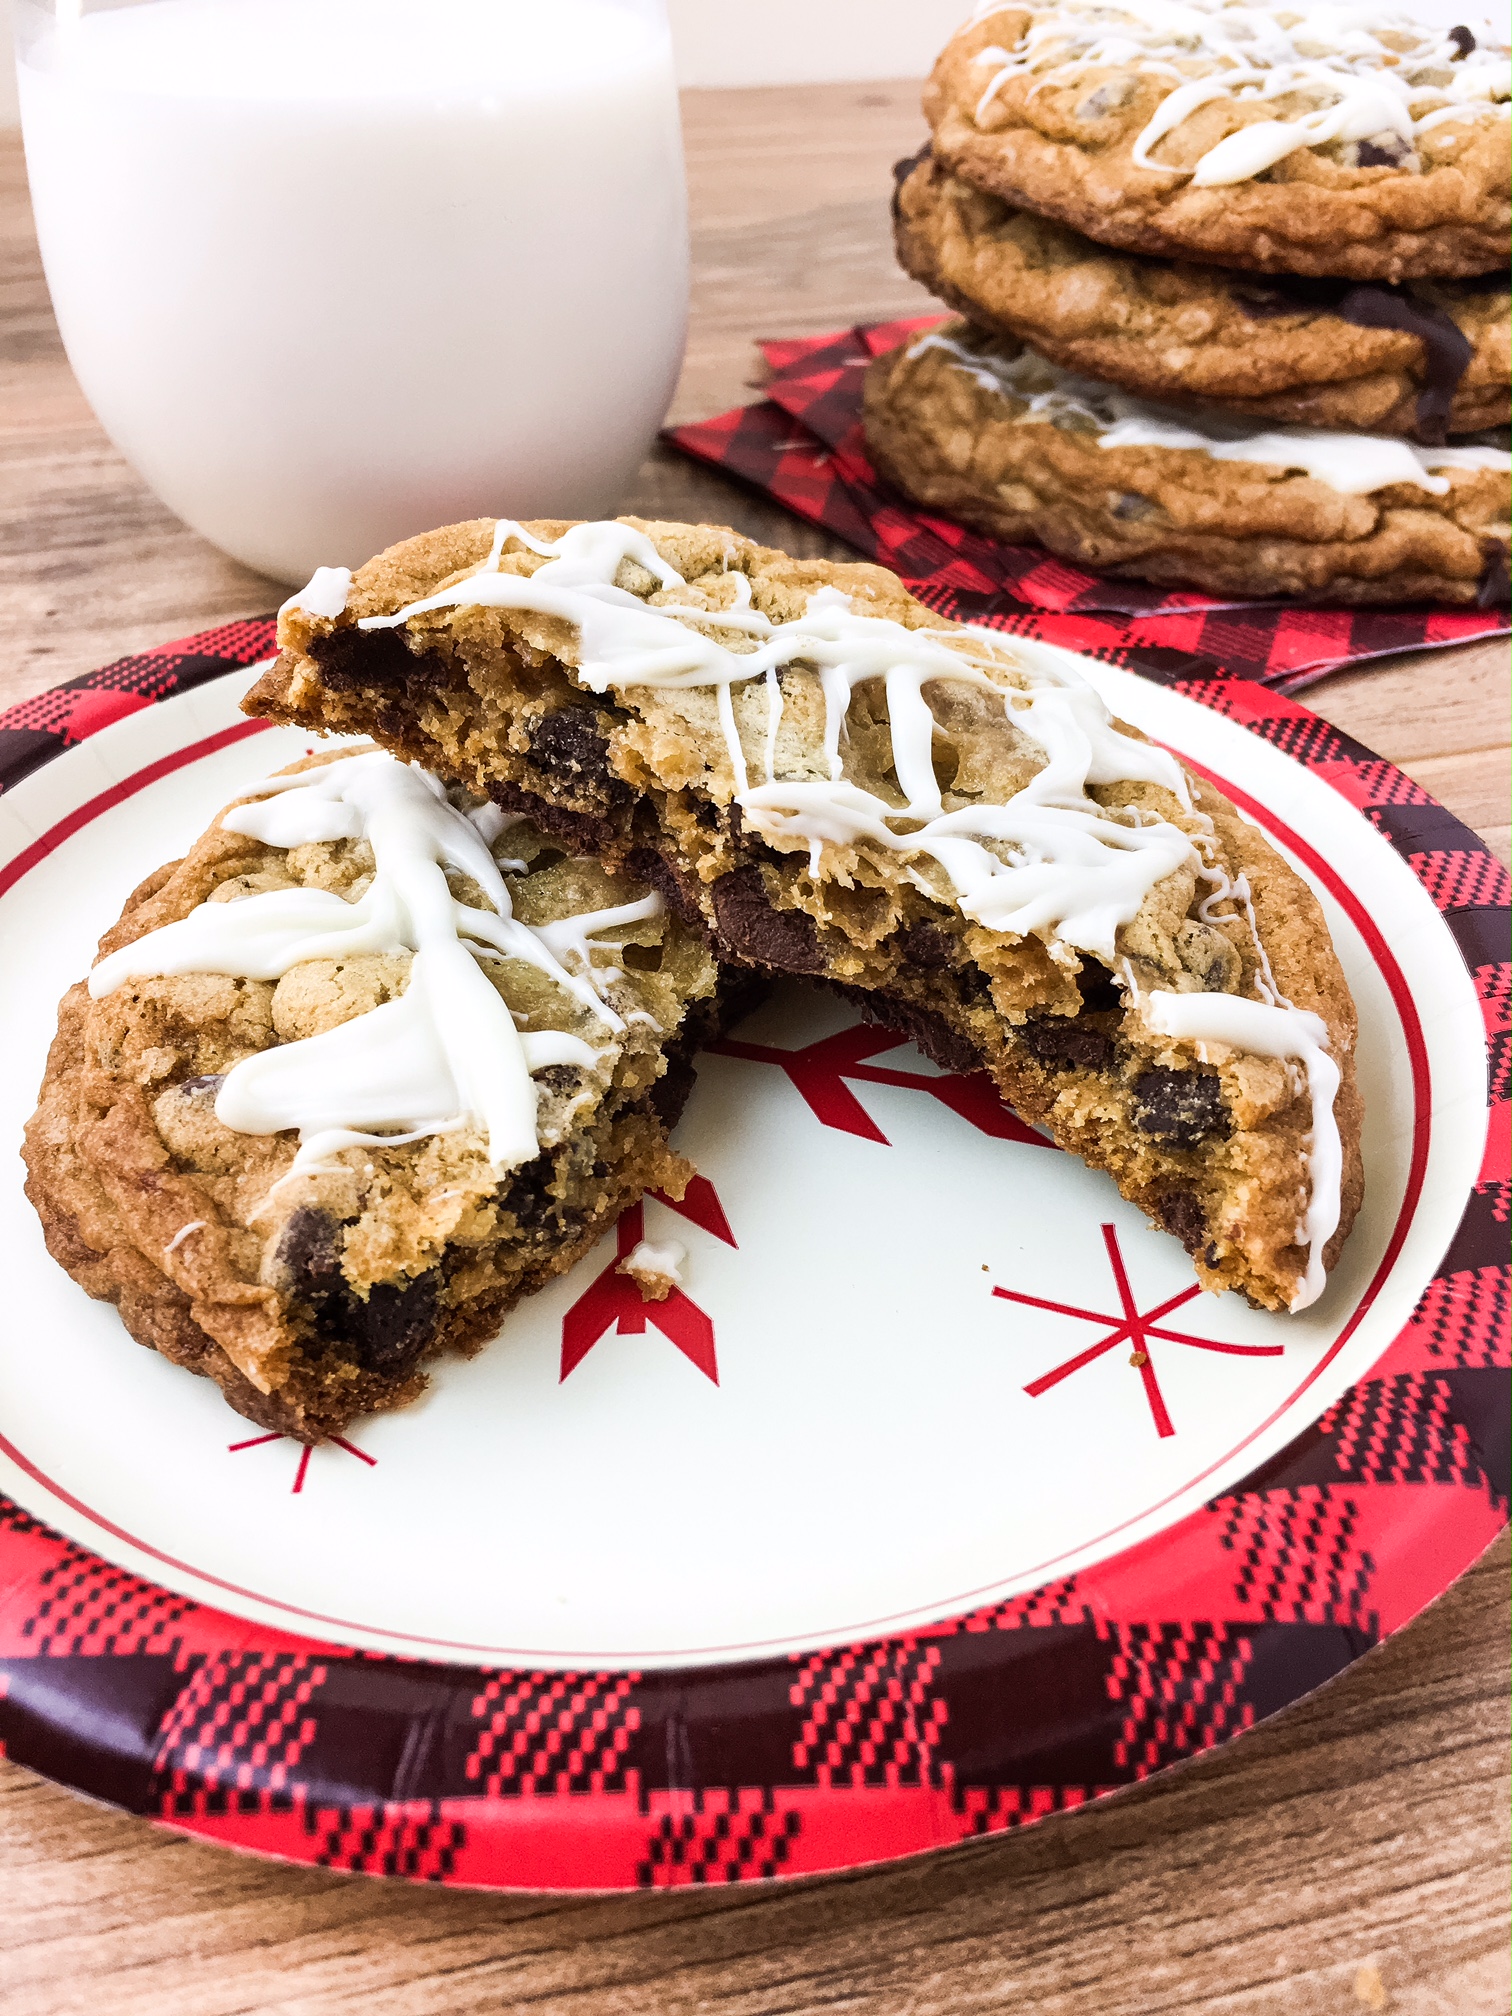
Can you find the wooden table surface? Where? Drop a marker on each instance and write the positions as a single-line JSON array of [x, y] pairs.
[[1349, 1856]]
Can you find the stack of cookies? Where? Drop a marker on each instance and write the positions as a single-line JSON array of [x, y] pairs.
[[1234, 290]]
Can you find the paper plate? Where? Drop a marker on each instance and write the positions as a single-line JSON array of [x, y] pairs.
[[937, 1500]]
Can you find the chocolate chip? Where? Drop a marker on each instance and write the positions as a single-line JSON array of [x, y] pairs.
[[1129, 504], [1389, 150], [584, 832], [941, 1042], [1061, 1043], [641, 958], [388, 1331], [671, 1092], [1464, 42], [1181, 1107], [1099, 991], [569, 745], [901, 172], [351, 657], [1446, 348], [925, 944], [528, 1198], [193, 1087], [559, 1078], [1496, 585], [384, 1333], [1181, 1213], [677, 891], [785, 940], [307, 1251]]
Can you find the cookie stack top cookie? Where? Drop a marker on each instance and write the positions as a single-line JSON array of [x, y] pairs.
[[1250, 214], [1329, 141]]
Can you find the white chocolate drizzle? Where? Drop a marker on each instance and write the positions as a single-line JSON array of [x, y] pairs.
[[655, 1266], [1351, 73], [1267, 1029], [1050, 860], [446, 1053], [324, 594], [1353, 464]]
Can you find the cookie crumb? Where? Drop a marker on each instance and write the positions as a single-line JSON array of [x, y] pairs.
[[1139, 1358], [1370, 1990], [654, 1269]]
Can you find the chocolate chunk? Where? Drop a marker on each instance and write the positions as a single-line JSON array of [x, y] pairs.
[[785, 940], [584, 832], [384, 1333], [676, 890], [672, 1090], [1388, 151], [307, 1251], [901, 172], [1496, 585], [568, 745], [351, 657], [1181, 1213], [193, 1087], [528, 1197], [925, 944], [388, 1332], [1181, 1107], [559, 1078], [1062, 1043], [1099, 991], [1463, 41], [1446, 348], [941, 1042]]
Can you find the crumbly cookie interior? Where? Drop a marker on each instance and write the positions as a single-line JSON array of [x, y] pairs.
[[315, 1299], [643, 779]]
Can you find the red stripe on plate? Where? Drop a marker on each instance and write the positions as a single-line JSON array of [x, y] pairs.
[[65, 829]]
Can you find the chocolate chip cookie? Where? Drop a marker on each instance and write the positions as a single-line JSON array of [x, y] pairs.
[[987, 431], [825, 779], [365, 1067], [1245, 136]]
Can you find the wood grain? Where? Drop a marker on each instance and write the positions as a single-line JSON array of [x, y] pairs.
[[1351, 1855]]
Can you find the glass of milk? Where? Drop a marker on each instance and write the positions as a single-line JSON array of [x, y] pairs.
[[332, 272]]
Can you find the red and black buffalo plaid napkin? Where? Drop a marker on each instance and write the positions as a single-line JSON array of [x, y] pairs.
[[803, 445]]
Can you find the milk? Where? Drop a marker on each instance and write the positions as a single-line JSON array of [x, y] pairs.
[[332, 272]]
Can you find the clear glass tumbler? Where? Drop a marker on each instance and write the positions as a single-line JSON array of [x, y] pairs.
[[332, 272]]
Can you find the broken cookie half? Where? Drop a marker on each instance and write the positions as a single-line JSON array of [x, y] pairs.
[[825, 778], [368, 1065]]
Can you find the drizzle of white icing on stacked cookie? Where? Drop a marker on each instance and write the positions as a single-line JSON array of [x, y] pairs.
[[1050, 860], [1356, 465], [1368, 72], [446, 1053]]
